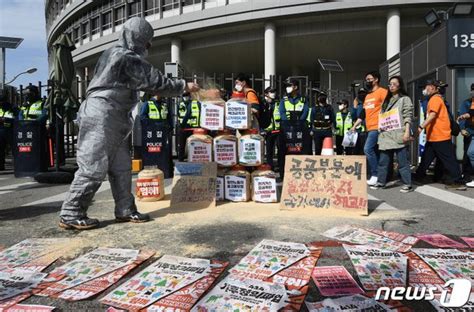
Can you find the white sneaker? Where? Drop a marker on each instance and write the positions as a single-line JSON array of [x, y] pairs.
[[470, 184], [373, 180]]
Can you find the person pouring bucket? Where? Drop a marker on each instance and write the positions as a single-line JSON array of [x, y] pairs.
[[105, 126]]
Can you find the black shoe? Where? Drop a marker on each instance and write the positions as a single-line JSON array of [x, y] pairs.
[[406, 189], [378, 186], [134, 217], [456, 186], [79, 224]]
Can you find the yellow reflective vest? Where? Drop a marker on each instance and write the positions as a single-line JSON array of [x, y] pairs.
[[343, 125]]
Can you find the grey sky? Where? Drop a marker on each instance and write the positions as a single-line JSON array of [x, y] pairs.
[[25, 19]]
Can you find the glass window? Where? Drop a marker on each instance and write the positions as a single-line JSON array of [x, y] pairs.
[[106, 20], [95, 25], [85, 30], [75, 34], [119, 15], [170, 5], [191, 2], [151, 7], [135, 9]]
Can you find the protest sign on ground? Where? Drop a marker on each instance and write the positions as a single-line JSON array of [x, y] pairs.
[[26, 251], [94, 286], [439, 240], [420, 274], [183, 300], [90, 266], [268, 258], [14, 282], [325, 182], [377, 267], [355, 235], [162, 278], [335, 281], [449, 263], [243, 295]]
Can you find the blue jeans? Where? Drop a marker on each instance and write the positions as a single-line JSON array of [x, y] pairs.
[[470, 152], [403, 165], [371, 151]]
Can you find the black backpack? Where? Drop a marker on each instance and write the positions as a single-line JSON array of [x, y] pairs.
[[455, 129]]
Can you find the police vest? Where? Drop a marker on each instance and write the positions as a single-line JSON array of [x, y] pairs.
[[275, 124], [294, 109], [195, 118], [157, 113], [343, 125], [181, 112], [322, 117], [33, 112], [6, 115]]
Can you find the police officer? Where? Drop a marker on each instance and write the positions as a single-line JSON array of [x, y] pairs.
[[270, 120], [33, 108], [322, 122], [356, 111], [293, 106], [156, 109], [7, 117], [191, 120], [294, 110], [343, 125]]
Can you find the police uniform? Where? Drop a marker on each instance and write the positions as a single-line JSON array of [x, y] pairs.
[[34, 111], [190, 119], [344, 123], [6, 125], [294, 112], [272, 134], [155, 110], [322, 121]]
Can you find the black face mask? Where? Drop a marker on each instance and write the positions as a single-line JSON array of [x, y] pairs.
[[322, 100], [369, 85], [361, 97]]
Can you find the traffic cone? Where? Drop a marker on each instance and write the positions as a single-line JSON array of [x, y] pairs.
[[327, 147]]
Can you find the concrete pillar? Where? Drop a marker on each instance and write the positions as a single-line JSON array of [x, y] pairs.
[[176, 51], [270, 51], [393, 33]]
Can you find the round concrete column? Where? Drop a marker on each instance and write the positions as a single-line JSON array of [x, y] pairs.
[[393, 33], [176, 51], [270, 47]]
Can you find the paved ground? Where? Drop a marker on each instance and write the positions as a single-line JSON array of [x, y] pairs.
[[228, 232]]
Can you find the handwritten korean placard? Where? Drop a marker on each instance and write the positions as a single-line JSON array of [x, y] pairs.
[[325, 182]]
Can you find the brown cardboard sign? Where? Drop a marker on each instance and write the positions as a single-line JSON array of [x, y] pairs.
[[325, 182], [194, 185]]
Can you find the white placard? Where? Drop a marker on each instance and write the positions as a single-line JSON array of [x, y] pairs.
[[225, 152], [237, 115], [212, 116], [264, 190], [199, 151], [236, 188], [250, 153]]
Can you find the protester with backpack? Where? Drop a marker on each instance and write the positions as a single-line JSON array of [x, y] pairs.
[[439, 126]]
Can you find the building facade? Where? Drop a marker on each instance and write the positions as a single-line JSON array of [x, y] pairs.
[[261, 37]]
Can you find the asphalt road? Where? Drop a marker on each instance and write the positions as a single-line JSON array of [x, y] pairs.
[[227, 232]]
